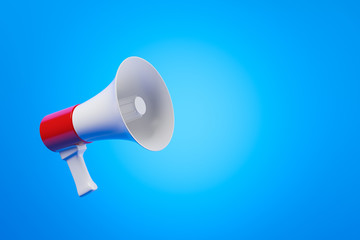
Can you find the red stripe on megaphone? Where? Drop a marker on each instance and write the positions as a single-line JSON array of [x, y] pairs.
[[57, 130]]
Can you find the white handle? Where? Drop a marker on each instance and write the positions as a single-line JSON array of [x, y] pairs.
[[75, 161]]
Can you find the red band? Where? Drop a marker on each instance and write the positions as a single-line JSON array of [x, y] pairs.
[[57, 130]]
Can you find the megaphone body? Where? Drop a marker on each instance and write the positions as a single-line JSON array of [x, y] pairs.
[[135, 106]]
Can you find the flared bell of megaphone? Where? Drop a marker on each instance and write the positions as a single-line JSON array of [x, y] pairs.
[[135, 106]]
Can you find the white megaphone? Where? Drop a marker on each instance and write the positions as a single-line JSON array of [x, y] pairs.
[[135, 106]]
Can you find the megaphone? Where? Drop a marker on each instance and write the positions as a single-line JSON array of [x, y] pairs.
[[135, 106]]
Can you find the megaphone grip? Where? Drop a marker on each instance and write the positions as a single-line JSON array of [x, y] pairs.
[[75, 160]]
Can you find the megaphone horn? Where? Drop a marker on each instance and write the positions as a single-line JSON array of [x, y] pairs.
[[135, 106]]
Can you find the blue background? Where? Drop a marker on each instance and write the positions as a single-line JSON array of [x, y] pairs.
[[266, 140]]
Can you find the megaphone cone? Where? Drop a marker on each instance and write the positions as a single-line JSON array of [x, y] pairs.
[[135, 106]]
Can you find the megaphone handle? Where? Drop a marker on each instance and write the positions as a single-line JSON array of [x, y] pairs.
[[75, 160]]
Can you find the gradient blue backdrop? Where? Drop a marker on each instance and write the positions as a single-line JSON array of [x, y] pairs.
[[266, 99]]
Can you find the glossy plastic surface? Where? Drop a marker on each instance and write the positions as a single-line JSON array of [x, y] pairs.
[[57, 130], [75, 160]]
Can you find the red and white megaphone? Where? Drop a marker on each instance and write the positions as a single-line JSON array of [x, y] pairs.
[[135, 106]]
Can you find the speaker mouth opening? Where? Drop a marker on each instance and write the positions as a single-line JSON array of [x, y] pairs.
[[145, 103]]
